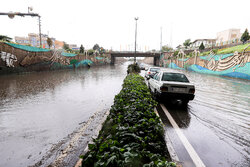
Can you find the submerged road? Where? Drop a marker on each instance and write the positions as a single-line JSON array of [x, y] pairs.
[[216, 123], [41, 113]]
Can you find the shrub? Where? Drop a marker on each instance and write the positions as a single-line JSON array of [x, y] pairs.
[[133, 68], [201, 47], [245, 36], [132, 135], [176, 53]]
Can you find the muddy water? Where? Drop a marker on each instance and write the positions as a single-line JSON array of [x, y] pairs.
[[216, 122], [39, 110]]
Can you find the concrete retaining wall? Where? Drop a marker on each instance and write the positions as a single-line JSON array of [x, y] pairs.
[[15, 60], [235, 65]]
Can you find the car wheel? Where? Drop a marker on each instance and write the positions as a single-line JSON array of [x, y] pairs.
[[156, 96]]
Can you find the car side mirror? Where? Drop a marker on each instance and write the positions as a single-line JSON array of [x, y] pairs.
[[146, 69]]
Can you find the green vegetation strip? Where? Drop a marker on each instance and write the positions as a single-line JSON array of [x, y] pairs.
[[132, 135], [238, 48]]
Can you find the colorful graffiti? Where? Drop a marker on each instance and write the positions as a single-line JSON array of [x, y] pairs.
[[235, 64], [21, 58]]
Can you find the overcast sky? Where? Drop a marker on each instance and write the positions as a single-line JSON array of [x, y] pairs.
[[111, 24]]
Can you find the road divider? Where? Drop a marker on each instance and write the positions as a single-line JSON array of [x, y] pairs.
[[132, 134]]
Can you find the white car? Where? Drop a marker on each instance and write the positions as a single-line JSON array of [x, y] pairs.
[[151, 71], [166, 85]]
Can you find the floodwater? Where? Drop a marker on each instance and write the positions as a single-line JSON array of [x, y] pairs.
[[216, 122], [39, 112]]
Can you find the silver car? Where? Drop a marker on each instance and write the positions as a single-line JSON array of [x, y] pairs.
[[151, 71]]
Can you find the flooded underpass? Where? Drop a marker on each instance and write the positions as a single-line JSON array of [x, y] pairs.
[[215, 123], [41, 113]]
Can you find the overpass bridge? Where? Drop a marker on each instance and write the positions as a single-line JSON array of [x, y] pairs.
[[155, 55]]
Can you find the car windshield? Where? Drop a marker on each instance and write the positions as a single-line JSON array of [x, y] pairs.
[[174, 77], [154, 69]]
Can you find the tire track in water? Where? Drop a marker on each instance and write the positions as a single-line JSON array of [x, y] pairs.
[[222, 105], [231, 135]]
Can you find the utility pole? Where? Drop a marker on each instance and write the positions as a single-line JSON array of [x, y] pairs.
[[171, 37], [40, 34], [161, 40], [136, 18]]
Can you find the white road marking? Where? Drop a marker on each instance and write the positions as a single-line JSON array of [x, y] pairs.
[[194, 156], [170, 147]]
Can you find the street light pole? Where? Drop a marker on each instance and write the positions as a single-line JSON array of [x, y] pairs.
[[161, 40], [136, 18], [12, 15], [40, 35]]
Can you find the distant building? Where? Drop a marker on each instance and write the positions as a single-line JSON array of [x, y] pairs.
[[228, 36], [73, 47], [22, 40], [206, 42], [59, 44], [34, 40], [179, 47]]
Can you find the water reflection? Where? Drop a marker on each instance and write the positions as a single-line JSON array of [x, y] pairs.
[[39, 109], [180, 114]]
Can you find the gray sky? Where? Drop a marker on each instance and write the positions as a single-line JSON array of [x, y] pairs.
[[110, 23]]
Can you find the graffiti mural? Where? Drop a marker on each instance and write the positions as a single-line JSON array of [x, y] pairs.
[[57, 57], [233, 64], [8, 58], [21, 58]]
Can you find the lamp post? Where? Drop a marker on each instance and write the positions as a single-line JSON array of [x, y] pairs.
[[136, 18], [40, 34], [161, 42], [11, 15]]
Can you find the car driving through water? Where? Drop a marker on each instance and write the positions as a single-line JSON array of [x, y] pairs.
[[149, 72], [171, 85]]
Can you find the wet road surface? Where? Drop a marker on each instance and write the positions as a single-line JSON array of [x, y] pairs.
[[40, 112], [216, 122]]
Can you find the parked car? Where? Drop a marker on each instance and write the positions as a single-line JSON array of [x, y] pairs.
[[149, 72], [142, 66], [167, 85]]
